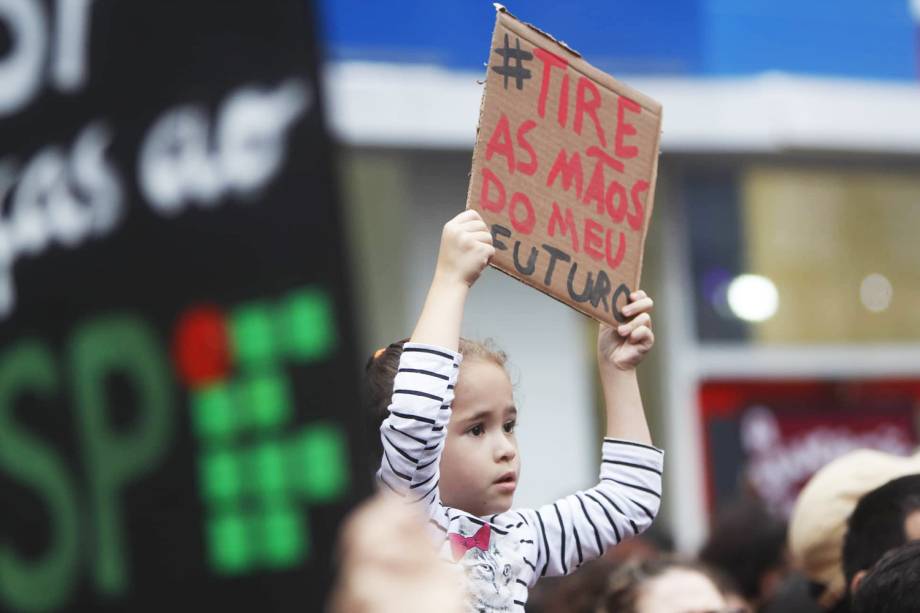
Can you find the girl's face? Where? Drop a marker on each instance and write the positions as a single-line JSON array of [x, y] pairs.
[[480, 465]]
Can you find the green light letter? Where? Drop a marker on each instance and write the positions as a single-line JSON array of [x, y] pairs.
[[47, 582], [99, 349]]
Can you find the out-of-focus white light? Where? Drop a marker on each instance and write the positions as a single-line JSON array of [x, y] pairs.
[[753, 297], [875, 292], [915, 9], [759, 430]]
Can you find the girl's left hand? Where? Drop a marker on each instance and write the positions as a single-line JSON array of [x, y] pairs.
[[626, 345]]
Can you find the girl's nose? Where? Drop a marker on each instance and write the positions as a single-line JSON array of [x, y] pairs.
[[505, 450]]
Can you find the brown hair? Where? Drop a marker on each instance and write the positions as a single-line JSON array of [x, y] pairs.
[[380, 371], [626, 582]]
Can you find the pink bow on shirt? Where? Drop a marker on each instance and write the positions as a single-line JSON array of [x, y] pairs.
[[459, 544]]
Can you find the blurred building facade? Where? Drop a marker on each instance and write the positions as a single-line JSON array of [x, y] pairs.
[[783, 254]]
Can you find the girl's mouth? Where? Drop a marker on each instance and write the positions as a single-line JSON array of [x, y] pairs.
[[507, 481]]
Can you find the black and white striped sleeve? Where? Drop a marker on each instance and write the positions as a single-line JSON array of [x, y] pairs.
[[583, 526], [413, 433]]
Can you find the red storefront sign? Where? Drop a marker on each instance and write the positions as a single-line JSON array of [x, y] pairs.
[[766, 438]]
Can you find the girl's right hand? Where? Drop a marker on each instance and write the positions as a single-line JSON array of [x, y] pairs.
[[466, 248]]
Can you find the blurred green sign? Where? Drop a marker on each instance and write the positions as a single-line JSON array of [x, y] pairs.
[[179, 419]]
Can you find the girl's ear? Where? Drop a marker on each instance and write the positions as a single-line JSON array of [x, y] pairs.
[[857, 579]]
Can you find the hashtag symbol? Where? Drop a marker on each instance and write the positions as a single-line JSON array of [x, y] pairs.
[[518, 72]]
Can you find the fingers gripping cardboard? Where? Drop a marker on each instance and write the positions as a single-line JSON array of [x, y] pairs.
[[564, 171]]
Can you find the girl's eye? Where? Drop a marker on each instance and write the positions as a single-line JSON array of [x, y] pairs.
[[477, 430], [509, 426]]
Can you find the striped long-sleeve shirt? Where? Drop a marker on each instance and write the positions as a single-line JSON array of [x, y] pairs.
[[506, 553]]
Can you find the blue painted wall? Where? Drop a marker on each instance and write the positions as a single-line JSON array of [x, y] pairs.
[[853, 38], [856, 38]]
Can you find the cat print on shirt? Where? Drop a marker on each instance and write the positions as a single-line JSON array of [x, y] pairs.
[[491, 564]]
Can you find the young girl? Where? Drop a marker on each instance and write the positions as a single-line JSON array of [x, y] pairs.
[[449, 444]]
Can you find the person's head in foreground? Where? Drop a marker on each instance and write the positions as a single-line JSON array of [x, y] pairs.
[[885, 518], [394, 570], [893, 584], [480, 464], [818, 522], [663, 585]]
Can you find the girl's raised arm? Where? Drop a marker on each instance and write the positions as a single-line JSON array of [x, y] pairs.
[[619, 351]]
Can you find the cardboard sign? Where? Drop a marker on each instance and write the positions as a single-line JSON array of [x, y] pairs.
[[564, 171]]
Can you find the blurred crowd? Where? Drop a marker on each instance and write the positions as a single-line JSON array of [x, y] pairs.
[[851, 545]]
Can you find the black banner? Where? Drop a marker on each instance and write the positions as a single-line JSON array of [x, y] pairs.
[[178, 398]]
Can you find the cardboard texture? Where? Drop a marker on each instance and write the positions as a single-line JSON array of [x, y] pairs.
[[564, 170]]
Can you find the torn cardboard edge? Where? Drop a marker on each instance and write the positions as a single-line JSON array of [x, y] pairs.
[[500, 8]]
